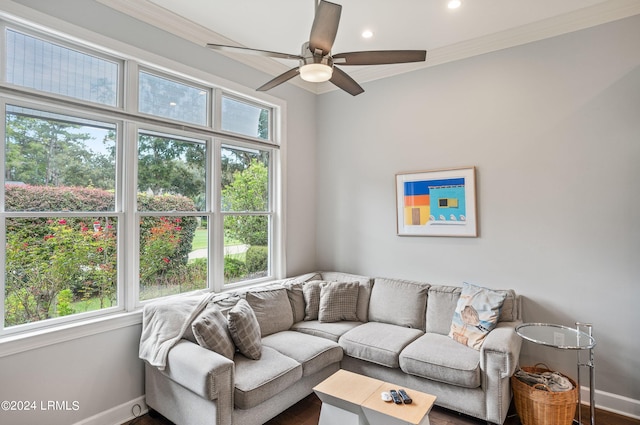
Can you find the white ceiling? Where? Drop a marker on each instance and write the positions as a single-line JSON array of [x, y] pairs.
[[478, 26]]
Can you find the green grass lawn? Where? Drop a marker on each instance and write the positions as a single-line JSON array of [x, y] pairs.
[[199, 239]]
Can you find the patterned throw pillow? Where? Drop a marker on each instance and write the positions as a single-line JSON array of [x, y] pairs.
[[211, 332], [338, 301], [476, 314], [245, 330], [311, 293]]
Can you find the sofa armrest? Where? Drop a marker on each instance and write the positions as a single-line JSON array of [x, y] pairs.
[[502, 348], [205, 372]]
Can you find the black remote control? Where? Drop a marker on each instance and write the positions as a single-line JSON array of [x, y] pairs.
[[405, 396], [395, 397]]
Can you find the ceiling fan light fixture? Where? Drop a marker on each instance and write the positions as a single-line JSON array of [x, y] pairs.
[[316, 72]]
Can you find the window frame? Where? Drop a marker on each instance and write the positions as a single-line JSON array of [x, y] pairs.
[[128, 120], [118, 213], [236, 98]]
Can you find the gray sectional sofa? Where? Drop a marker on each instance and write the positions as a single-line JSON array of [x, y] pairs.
[[394, 330]]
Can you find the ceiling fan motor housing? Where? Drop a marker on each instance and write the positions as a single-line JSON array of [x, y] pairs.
[[309, 57]]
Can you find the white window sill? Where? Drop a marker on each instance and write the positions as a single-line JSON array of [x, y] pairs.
[[19, 343]]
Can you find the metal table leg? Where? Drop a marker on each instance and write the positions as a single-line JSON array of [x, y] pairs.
[[591, 365]]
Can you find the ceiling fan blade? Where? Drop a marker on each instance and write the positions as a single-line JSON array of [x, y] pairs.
[[280, 79], [345, 82], [325, 27], [380, 57], [267, 53]]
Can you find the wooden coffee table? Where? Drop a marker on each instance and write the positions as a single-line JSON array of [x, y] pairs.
[[352, 399]]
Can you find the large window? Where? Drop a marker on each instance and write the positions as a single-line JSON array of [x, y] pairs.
[[104, 208]]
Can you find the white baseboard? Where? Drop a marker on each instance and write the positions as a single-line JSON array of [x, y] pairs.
[[118, 415], [613, 403]]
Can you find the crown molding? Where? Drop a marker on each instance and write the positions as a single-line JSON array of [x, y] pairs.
[[601, 13], [598, 14], [150, 13]]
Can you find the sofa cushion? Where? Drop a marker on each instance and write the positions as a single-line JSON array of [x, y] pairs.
[[510, 311], [259, 380], [311, 293], [314, 353], [438, 357], [364, 290], [294, 293], [441, 304], [245, 330], [338, 301], [399, 302], [332, 331], [378, 343], [272, 310], [476, 314], [211, 332]]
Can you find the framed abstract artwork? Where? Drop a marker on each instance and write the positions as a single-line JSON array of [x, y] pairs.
[[437, 203]]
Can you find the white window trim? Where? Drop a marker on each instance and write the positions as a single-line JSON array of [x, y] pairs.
[[135, 58]]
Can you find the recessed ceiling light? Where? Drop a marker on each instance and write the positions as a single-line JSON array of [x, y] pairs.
[[454, 4], [367, 34]]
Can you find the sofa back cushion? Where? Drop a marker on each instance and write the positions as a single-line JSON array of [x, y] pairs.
[[511, 308], [272, 309], [399, 302], [441, 305]]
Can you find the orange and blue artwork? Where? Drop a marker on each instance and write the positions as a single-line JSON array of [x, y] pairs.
[[434, 201]]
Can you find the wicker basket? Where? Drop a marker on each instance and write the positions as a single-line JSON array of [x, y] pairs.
[[537, 406]]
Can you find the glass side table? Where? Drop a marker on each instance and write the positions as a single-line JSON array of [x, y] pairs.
[[565, 338]]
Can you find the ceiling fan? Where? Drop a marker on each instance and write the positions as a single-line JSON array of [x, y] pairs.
[[317, 64]]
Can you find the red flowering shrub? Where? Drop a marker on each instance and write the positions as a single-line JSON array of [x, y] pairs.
[[47, 257]]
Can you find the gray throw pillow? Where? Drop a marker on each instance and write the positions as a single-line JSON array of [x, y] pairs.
[[311, 293], [338, 301], [245, 330], [211, 332], [296, 299]]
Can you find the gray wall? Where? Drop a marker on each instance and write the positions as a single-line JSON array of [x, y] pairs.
[[553, 128], [103, 371]]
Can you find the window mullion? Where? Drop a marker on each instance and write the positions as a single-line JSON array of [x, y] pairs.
[[130, 89], [216, 229], [130, 242]]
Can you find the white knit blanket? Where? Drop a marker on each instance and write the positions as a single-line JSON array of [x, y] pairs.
[[164, 323]]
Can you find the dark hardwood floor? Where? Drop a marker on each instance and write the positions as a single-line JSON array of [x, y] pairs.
[[307, 412]]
